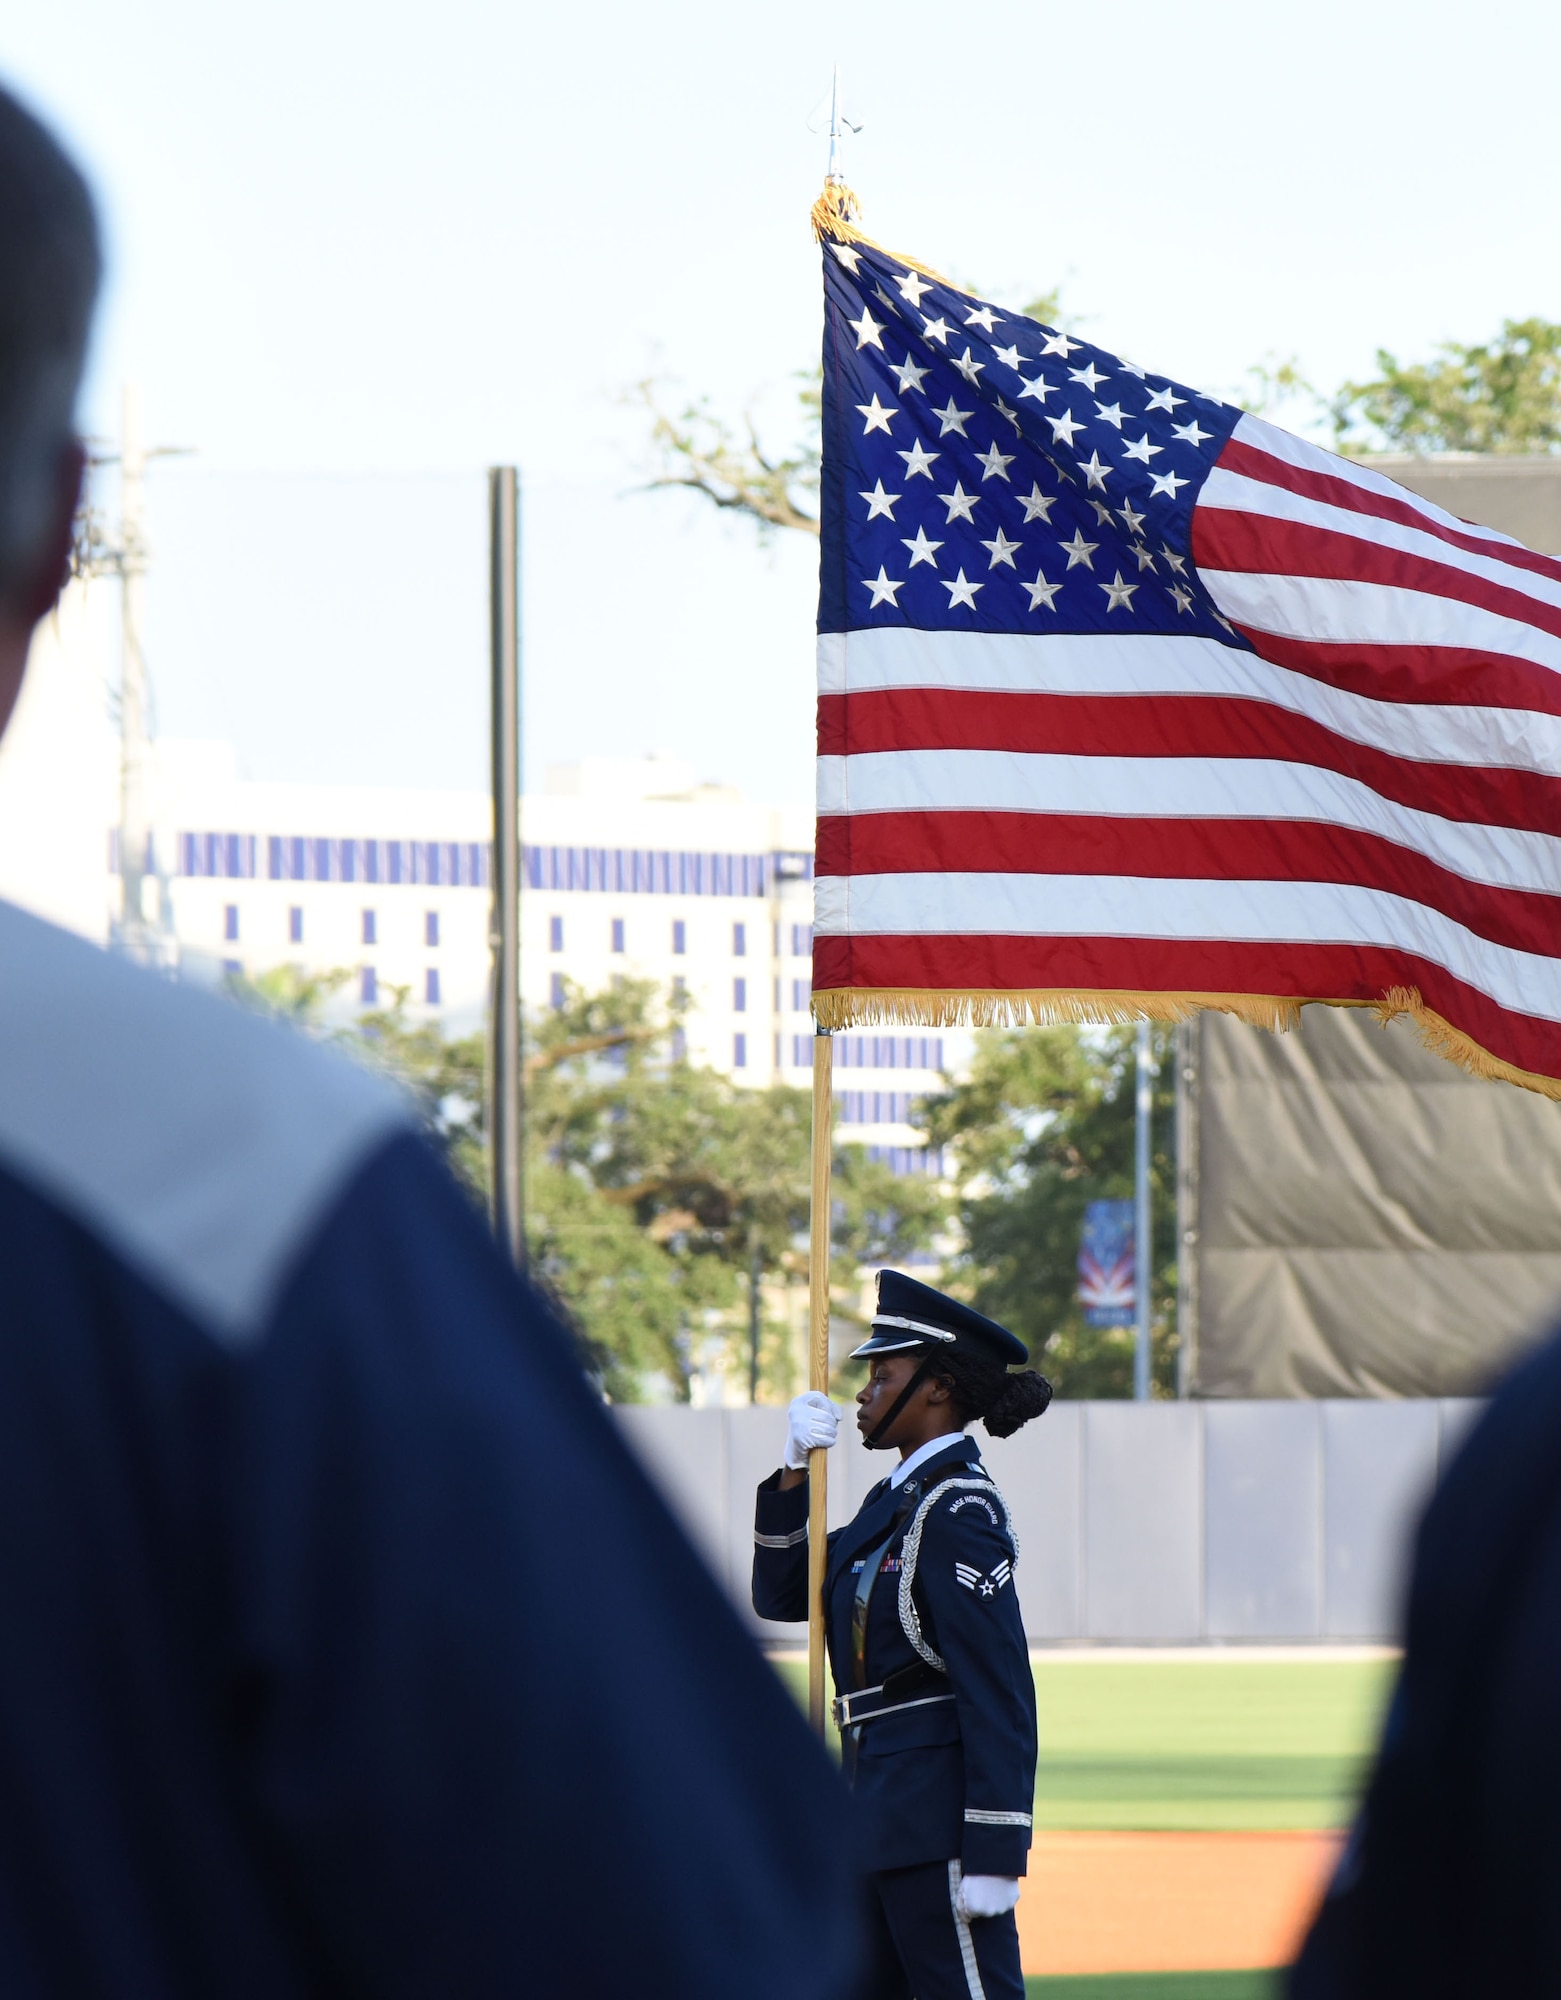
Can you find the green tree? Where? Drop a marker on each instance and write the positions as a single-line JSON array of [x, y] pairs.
[[1043, 1124], [1500, 395], [655, 1190]]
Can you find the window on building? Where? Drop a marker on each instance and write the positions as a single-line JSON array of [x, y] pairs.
[[618, 928], [230, 922], [775, 943], [370, 928], [739, 1052], [558, 996], [431, 986], [777, 1051], [555, 937], [232, 968], [679, 1045], [295, 925], [799, 996], [739, 996], [368, 989], [739, 940], [801, 940], [431, 929], [679, 937], [776, 1001], [679, 988]]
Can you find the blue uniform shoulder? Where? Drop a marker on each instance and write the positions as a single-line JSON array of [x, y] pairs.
[[969, 1507], [200, 1144]]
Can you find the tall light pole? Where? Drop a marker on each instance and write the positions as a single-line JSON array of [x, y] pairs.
[[504, 1070]]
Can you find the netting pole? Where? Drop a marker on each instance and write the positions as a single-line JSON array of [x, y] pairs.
[[818, 1364]]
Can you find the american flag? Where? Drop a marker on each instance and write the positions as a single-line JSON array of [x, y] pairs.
[[1132, 702]]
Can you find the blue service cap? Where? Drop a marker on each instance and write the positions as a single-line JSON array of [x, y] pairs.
[[911, 1316]]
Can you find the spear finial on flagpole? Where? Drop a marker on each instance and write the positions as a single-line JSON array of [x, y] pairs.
[[834, 174], [835, 213]]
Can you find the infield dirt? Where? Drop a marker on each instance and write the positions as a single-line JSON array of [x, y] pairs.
[[1169, 1902]]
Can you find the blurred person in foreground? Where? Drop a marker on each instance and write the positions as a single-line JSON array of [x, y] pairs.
[[343, 1648], [1450, 1885]]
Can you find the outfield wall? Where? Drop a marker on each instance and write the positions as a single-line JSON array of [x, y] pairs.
[[1158, 1523]]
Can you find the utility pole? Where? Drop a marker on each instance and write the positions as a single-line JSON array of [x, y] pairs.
[[1141, 1214], [142, 934], [136, 861], [505, 1079]]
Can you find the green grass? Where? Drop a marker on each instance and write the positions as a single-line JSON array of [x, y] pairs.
[[1158, 1986], [1204, 1745], [1198, 1745]]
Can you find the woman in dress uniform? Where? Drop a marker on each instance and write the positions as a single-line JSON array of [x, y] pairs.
[[934, 1697]]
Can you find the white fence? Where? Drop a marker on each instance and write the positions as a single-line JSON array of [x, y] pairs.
[[1160, 1523]]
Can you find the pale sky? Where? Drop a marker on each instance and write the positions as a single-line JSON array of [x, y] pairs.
[[358, 252]]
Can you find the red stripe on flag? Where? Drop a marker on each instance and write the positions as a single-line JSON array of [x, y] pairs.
[[1041, 843], [965, 964], [1257, 544], [886, 719], [1336, 492], [1432, 676]]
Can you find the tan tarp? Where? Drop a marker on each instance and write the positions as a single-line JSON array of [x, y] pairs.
[[1371, 1221]]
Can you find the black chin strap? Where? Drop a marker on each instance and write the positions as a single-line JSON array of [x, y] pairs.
[[874, 1436]]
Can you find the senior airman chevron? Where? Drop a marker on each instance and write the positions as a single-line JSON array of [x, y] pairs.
[[1130, 702]]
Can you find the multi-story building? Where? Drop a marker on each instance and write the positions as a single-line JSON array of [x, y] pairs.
[[631, 869]]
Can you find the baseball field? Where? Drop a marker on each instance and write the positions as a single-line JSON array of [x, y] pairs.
[[1187, 1812]]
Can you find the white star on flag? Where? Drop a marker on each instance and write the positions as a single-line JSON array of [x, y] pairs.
[[1002, 550]]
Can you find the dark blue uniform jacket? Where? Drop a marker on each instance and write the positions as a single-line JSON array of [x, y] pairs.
[[1450, 1887], [936, 1778], [344, 1649]]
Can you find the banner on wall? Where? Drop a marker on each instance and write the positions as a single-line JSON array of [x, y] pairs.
[[1108, 1287]]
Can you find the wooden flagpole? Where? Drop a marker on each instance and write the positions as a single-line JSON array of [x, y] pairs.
[[818, 1362]]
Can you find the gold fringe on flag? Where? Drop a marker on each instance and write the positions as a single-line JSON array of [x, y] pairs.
[[857, 1006]]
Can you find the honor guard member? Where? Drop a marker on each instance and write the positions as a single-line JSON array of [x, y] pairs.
[[935, 1700]]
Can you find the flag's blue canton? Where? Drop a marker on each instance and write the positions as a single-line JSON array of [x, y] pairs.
[[985, 473]]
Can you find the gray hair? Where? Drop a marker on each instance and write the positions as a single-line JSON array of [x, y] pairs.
[[49, 269]]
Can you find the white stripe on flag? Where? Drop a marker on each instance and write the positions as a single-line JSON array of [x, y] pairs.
[[1336, 611], [1107, 663], [1125, 906], [1191, 788], [1291, 450], [1234, 492]]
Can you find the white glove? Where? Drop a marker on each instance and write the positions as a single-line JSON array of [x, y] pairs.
[[987, 1896], [812, 1421]]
